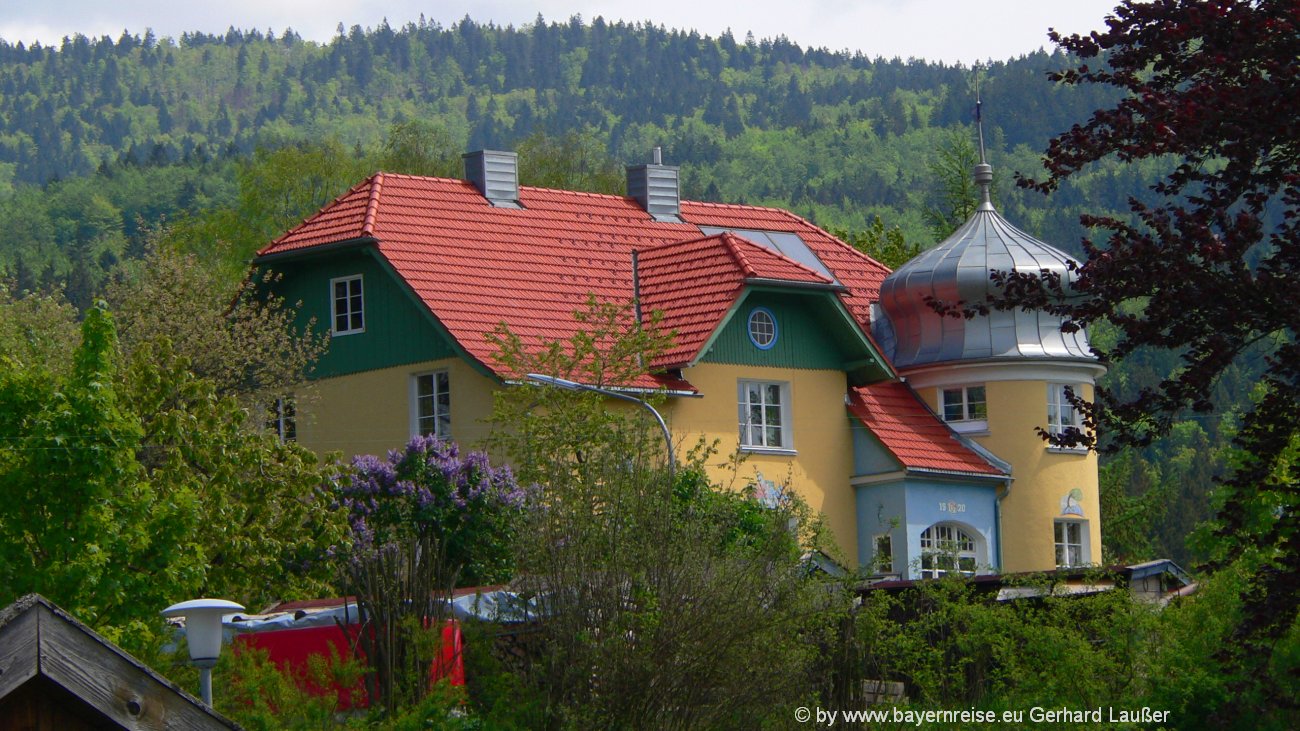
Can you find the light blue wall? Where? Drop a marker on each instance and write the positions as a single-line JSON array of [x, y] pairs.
[[882, 508], [869, 456], [905, 508]]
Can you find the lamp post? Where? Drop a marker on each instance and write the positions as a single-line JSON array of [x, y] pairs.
[[568, 385], [203, 634]]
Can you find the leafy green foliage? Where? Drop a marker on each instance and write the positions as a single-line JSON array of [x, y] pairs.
[[1214, 260], [126, 488], [238, 337], [885, 246], [954, 645], [648, 586]]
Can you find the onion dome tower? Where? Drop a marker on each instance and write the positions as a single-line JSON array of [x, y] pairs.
[[999, 377]]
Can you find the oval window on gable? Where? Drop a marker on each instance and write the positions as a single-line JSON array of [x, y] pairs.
[[762, 328]]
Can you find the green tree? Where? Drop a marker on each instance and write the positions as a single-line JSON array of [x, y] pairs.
[[954, 197], [885, 246], [124, 489], [648, 586], [576, 160], [238, 337], [421, 147]]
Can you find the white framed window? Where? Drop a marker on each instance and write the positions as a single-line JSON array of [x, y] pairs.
[[1061, 414], [348, 305], [965, 408], [947, 549], [281, 419], [431, 404], [1071, 543], [762, 328], [882, 561], [765, 415]]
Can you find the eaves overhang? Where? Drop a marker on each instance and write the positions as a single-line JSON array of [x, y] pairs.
[[311, 252], [934, 474]]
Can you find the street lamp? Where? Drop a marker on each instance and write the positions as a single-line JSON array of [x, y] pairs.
[[203, 634], [568, 385]]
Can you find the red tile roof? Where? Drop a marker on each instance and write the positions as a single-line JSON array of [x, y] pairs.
[[475, 265], [912, 433], [693, 283]]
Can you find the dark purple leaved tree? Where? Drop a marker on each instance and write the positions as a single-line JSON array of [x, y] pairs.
[[1211, 271]]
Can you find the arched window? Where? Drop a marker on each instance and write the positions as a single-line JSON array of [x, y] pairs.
[[947, 549]]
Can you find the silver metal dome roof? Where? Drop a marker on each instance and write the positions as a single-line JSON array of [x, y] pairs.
[[959, 269]]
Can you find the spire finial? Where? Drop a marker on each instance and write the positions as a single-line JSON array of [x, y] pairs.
[[983, 171]]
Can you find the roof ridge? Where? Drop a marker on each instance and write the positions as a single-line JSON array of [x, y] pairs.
[[322, 209], [730, 240], [372, 205]]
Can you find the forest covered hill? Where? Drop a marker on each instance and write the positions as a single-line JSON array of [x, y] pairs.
[[233, 137]]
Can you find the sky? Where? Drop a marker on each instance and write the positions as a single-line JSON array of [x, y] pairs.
[[951, 31]]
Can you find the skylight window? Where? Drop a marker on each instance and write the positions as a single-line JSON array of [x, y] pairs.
[[782, 242]]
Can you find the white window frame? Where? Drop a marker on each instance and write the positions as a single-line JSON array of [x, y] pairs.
[[1065, 543], [764, 443], [282, 419], [947, 548], [882, 557], [1058, 407], [348, 314], [439, 419], [968, 421]]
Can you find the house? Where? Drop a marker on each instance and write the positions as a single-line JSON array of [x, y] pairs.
[[913, 435], [58, 674]]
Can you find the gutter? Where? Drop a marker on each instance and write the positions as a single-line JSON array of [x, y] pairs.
[[622, 389]]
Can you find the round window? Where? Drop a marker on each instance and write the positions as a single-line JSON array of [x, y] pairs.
[[762, 328]]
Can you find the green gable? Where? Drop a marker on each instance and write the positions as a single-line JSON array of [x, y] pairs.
[[398, 330], [814, 332]]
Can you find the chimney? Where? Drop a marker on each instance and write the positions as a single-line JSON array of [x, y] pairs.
[[655, 187], [496, 175]]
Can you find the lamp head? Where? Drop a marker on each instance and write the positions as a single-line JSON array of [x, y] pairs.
[[203, 626]]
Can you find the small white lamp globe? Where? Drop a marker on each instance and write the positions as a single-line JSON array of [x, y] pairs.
[[203, 633]]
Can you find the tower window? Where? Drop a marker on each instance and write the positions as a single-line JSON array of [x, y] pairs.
[[1071, 543], [965, 408], [1061, 414]]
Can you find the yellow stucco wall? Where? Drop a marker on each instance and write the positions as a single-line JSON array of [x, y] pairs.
[[819, 470], [1043, 476], [370, 412]]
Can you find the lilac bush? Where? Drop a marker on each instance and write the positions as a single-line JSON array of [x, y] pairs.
[[429, 491]]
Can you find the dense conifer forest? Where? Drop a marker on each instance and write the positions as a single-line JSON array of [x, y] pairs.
[[231, 138]]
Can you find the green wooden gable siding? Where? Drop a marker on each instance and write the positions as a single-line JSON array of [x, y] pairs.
[[805, 336], [397, 330]]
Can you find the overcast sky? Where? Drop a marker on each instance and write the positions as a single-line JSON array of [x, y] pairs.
[[953, 31]]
